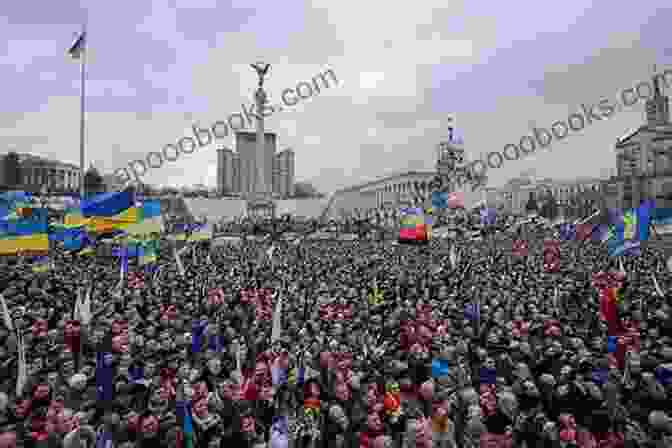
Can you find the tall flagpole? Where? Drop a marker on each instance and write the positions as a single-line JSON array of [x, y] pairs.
[[82, 120]]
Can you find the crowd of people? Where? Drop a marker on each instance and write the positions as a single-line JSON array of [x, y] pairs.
[[375, 344]]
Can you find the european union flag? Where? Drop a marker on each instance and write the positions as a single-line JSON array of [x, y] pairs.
[[567, 231], [472, 312], [197, 332], [664, 374], [600, 376], [488, 376], [488, 216], [105, 372]]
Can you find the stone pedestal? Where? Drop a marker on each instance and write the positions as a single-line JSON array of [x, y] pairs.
[[260, 207]]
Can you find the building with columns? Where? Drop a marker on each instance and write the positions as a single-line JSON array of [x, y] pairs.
[[38, 173], [517, 192], [387, 193], [644, 156]]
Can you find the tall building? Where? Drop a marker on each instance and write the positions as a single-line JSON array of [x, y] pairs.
[[236, 171], [644, 156], [283, 173], [246, 146], [237, 181], [225, 170]]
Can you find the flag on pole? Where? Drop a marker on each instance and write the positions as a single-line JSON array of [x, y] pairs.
[[453, 257], [22, 374], [78, 47], [183, 414], [5, 314], [556, 304], [105, 372], [658, 288], [277, 321], [123, 263], [178, 260], [630, 228]]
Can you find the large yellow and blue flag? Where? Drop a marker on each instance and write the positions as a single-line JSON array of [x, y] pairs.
[[107, 212], [147, 219], [630, 228], [25, 234], [108, 204]]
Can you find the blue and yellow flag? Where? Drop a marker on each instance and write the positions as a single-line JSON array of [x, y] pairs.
[[40, 264], [629, 229], [147, 219], [27, 233], [108, 204]]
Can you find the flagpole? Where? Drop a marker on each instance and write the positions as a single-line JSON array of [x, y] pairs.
[[82, 120]]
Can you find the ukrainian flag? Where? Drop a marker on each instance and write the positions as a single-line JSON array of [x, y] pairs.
[[41, 264], [25, 234], [146, 251], [193, 232], [107, 212], [108, 204], [150, 254], [148, 219], [630, 228]]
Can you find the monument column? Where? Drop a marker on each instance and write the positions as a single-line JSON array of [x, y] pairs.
[[260, 188]]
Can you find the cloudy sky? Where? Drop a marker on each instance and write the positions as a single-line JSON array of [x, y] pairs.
[[404, 68]]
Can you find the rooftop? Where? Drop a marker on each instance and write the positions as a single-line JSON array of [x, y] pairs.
[[386, 178], [25, 157]]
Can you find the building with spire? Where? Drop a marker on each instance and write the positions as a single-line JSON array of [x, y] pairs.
[[644, 156]]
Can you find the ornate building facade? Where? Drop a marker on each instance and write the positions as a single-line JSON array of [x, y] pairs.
[[644, 156], [385, 194], [41, 174]]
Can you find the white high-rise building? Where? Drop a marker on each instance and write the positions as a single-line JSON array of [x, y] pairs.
[[236, 171]]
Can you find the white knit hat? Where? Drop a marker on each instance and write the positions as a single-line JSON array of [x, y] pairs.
[[77, 378]]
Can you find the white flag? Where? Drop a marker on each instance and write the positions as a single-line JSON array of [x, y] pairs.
[[85, 308], [270, 251], [5, 314], [22, 376], [178, 260], [658, 288], [277, 321], [555, 299], [453, 257]]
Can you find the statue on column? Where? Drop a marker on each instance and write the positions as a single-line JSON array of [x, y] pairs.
[[261, 69]]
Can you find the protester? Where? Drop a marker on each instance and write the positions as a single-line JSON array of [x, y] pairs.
[[378, 345]]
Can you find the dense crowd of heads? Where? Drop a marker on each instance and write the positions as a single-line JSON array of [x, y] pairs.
[[381, 345]]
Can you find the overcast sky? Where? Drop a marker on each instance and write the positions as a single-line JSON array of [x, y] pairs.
[[156, 67]]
